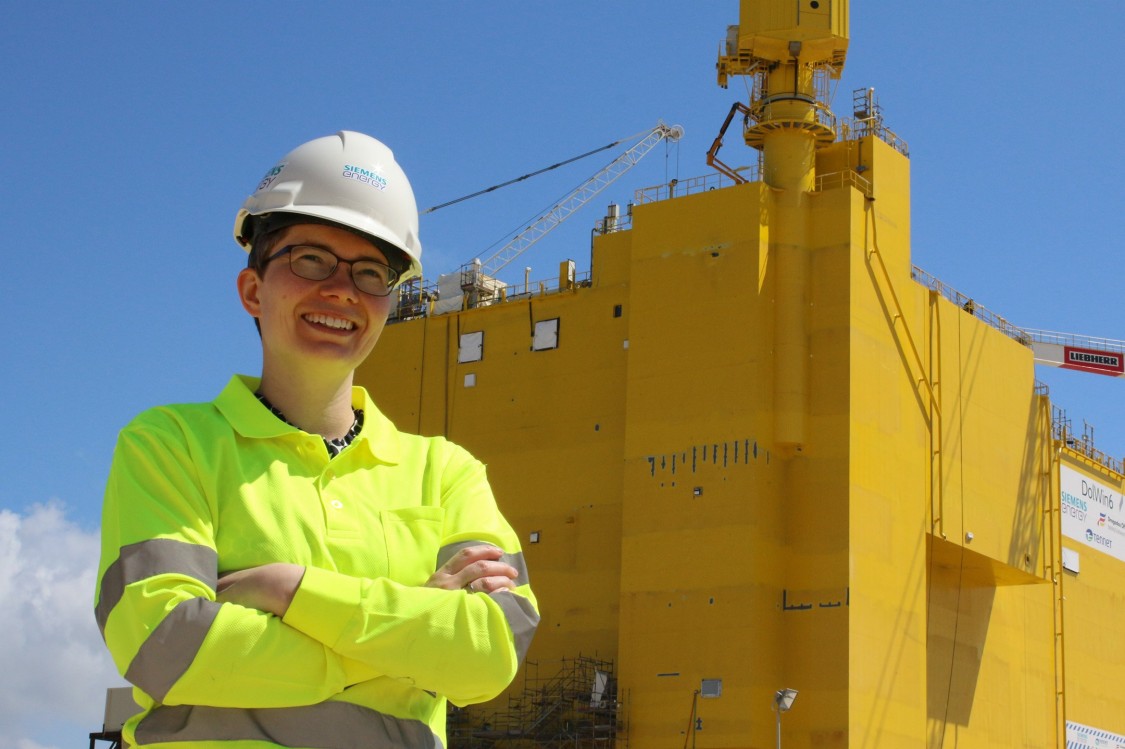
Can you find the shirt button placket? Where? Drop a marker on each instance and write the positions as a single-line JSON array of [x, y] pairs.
[[334, 507]]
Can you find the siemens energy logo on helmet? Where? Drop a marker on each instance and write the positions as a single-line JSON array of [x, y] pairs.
[[373, 197], [271, 175], [366, 176]]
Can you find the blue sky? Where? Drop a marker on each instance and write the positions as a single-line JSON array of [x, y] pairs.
[[133, 131]]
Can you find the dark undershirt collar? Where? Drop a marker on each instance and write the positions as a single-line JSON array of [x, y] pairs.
[[334, 446]]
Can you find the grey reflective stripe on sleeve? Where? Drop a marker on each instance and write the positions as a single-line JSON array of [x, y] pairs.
[[521, 616], [327, 725], [446, 553], [171, 647], [157, 556]]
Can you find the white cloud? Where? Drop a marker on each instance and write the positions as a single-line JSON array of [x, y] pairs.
[[56, 668]]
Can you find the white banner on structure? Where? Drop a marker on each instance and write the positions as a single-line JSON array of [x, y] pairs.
[[1079, 736], [1092, 513]]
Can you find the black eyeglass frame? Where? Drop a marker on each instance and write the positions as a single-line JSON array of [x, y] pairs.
[[392, 274]]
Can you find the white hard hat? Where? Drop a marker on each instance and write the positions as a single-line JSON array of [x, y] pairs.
[[349, 179]]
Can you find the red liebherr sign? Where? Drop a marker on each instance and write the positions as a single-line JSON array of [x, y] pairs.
[[1092, 360]]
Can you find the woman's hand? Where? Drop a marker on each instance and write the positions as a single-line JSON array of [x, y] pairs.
[[477, 569]]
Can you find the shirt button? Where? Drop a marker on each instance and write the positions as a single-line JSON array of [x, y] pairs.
[[337, 504]]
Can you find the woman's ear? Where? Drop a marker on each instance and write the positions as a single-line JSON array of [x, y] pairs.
[[249, 283]]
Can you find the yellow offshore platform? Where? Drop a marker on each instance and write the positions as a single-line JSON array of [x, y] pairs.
[[775, 484], [757, 450]]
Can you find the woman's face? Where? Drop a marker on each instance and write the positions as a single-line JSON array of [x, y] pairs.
[[305, 322]]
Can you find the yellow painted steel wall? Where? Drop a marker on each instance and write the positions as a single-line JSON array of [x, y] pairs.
[[951, 639], [704, 515], [676, 540], [550, 426], [990, 655]]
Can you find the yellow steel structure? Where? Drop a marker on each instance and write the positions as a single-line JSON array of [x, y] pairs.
[[752, 453]]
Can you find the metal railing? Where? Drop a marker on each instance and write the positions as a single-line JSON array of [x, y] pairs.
[[853, 129], [1084, 445], [416, 298], [692, 185], [516, 291], [1060, 425], [762, 111], [610, 225], [971, 306], [1076, 340], [833, 180]]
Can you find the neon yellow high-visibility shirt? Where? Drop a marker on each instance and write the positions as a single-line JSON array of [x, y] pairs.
[[365, 655]]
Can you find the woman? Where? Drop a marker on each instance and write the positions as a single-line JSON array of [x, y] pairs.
[[282, 565]]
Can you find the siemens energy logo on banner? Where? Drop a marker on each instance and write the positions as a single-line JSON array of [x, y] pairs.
[[1092, 360], [1092, 513]]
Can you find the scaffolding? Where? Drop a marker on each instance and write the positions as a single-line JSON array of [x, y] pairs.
[[576, 706]]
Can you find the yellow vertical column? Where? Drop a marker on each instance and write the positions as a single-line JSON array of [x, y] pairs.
[[789, 161]]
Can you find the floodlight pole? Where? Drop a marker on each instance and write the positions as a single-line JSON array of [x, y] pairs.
[[782, 701]]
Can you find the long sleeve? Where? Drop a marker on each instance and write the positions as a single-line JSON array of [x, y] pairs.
[[466, 646], [156, 593], [197, 491]]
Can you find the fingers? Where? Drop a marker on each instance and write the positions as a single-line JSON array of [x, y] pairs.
[[470, 555], [476, 569], [491, 584], [486, 576]]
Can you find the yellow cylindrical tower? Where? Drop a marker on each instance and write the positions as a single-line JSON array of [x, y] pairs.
[[786, 46], [789, 159], [787, 129]]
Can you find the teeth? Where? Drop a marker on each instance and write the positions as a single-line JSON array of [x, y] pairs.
[[332, 322]]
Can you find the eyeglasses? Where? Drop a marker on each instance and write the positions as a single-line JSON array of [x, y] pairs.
[[317, 263]]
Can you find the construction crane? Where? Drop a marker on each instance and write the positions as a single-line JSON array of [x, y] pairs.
[[477, 276], [1085, 353]]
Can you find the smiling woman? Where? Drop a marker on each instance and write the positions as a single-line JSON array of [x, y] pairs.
[[264, 552], [315, 330]]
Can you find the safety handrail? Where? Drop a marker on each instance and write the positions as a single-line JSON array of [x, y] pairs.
[[840, 179], [417, 300], [851, 129], [1084, 444], [1076, 340], [692, 185], [971, 306]]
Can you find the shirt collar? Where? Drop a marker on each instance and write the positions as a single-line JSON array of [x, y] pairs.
[[247, 416], [379, 435]]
